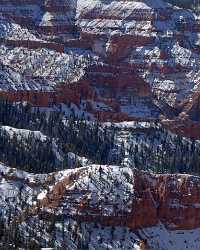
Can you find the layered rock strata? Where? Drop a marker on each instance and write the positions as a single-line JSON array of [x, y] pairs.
[[140, 57]]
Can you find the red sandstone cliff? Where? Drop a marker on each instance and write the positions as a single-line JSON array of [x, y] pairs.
[[173, 200], [146, 63]]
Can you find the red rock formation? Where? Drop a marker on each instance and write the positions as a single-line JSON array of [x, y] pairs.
[[32, 44], [179, 203], [120, 46], [122, 79], [36, 98], [144, 213], [184, 127], [172, 199]]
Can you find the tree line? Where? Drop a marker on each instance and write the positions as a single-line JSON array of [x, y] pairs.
[[156, 150]]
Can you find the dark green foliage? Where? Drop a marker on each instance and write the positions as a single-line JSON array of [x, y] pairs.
[[30, 154], [33, 155], [165, 153], [33, 245], [157, 150]]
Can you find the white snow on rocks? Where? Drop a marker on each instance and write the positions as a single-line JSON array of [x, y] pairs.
[[23, 133]]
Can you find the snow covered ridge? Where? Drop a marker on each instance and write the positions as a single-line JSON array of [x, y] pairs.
[[117, 198], [114, 195], [23, 133]]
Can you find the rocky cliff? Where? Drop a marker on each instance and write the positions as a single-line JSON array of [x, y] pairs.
[[136, 59], [156, 211], [130, 65], [173, 200]]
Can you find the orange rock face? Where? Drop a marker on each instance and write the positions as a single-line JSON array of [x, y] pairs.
[[172, 199], [33, 44], [184, 127], [140, 75], [120, 46], [179, 201], [144, 211]]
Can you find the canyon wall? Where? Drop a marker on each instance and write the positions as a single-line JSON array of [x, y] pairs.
[[140, 58], [173, 200]]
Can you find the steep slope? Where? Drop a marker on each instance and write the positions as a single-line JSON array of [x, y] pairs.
[[146, 62], [171, 199], [130, 65], [116, 198]]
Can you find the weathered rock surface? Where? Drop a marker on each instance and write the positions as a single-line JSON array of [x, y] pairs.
[[160, 196], [173, 200], [134, 59]]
